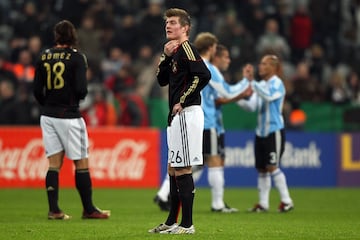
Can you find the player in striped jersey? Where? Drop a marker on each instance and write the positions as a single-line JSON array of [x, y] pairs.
[[207, 45], [182, 69], [267, 100]]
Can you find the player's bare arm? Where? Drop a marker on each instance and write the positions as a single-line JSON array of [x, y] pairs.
[[247, 93]]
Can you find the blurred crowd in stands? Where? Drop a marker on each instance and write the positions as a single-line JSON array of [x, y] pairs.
[[318, 41]]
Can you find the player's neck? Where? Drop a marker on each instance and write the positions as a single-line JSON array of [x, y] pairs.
[[183, 39], [269, 76], [62, 46], [206, 56]]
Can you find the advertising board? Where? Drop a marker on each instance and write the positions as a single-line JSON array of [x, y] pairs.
[[118, 157]]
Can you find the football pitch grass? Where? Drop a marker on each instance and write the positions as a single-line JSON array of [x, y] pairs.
[[320, 213]]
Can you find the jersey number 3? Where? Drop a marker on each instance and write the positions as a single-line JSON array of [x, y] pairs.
[[55, 79]]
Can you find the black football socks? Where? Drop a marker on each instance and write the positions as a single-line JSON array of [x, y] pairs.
[[186, 194], [174, 202], [83, 185], [52, 189]]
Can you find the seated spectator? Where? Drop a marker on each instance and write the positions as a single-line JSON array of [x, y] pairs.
[[146, 82], [133, 110], [89, 39], [238, 39], [7, 103], [337, 91], [318, 65], [353, 84], [306, 88], [272, 41], [35, 47], [122, 81], [150, 32], [143, 59], [97, 109], [132, 107], [27, 110], [300, 33], [126, 34], [111, 64], [6, 70], [24, 69]]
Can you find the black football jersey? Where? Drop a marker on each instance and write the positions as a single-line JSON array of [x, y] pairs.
[[185, 73], [60, 82]]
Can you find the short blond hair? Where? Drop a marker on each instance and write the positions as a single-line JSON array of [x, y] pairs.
[[204, 41]]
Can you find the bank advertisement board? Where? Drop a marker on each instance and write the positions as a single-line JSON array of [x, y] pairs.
[[309, 160]]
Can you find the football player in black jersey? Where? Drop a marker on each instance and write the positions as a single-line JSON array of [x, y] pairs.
[[183, 70], [59, 84]]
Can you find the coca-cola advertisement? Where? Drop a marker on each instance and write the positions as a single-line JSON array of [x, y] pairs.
[[118, 157]]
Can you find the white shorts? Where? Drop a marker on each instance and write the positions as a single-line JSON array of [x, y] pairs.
[[185, 138], [65, 134]]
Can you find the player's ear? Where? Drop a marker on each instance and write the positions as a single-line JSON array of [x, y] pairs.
[[186, 29]]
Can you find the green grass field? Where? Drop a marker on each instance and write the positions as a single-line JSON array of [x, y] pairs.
[[332, 213]]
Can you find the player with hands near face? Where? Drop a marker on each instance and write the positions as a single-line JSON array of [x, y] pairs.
[[182, 69], [267, 100]]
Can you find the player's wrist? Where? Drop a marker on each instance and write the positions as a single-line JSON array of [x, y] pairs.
[[164, 57]]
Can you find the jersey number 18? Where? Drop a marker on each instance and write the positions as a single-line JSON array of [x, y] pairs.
[[55, 70]]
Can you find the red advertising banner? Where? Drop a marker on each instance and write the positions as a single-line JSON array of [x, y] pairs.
[[118, 157]]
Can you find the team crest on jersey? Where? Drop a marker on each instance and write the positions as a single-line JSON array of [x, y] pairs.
[[174, 67]]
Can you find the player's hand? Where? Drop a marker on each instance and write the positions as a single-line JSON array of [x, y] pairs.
[[176, 109], [170, 47], [244, 95], [248, 92], [248, 72]]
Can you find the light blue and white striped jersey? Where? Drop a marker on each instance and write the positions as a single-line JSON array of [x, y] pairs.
[[219, 121], [267, 100], [208, 95], [218, 87]]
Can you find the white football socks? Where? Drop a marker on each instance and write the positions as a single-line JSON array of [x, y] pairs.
[[264, 187], [197, 172], [216, 181], [280, 183], [164, 190]]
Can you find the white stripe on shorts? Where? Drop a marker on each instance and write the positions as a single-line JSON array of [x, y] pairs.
[[278, 146], [184, 139]]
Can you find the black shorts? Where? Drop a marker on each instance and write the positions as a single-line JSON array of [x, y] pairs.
[[268, 150], [213, 144], [221, 145], [210, 142]]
